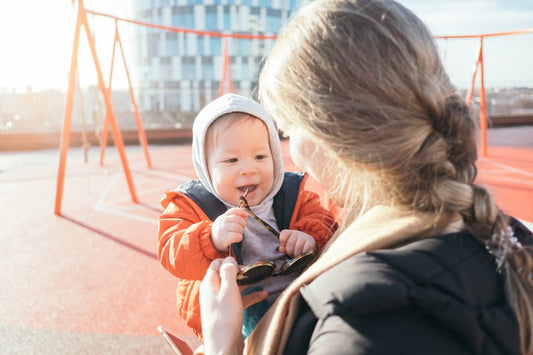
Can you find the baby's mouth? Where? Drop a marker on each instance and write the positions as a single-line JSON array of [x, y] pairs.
[[249, 188]]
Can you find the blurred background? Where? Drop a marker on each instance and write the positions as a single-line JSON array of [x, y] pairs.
[[173, 72]]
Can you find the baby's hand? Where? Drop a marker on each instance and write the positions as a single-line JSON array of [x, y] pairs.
[[227, 228], [294, 243]]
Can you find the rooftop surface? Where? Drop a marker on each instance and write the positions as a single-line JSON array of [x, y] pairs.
[[89, 281]]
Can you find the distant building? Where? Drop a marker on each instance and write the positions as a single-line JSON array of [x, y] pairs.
[[181, 72]]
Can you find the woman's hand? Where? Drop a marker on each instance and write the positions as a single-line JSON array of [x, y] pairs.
[[221, 308]]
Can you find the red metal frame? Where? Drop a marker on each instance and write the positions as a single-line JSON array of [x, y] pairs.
[[482, 97], [226, 69], [81, 20], [479, 66], [140, 129]]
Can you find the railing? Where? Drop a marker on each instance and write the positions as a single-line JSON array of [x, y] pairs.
[[479, 67]]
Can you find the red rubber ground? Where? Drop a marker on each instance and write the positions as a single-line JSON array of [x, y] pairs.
[[89, 282]]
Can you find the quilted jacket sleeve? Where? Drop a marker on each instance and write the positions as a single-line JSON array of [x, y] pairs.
[[184, 242], [311, 217]]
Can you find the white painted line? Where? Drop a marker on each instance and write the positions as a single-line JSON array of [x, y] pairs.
[[125, 215], [515, 181], [102, 206], [509, 168]]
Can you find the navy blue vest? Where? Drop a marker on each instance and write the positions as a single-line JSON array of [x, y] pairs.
[[283, 204]]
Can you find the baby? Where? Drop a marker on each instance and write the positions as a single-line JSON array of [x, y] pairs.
[[236, 154]]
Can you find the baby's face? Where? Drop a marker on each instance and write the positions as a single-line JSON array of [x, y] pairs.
[[240, 160]]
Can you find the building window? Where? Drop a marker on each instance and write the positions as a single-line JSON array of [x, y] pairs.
[[211, 22], [153, 44], [166, 67], [255, 11], [245, 69], [227, 19], [146, 14], [200, 45], [265, 3], [171, 100], [207, 68], [171, 39], [183, 16], [188, 68], [215, 45], [273, 20], [244, 47]]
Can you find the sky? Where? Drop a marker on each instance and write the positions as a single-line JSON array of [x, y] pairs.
[[507, 60], [36, 40]]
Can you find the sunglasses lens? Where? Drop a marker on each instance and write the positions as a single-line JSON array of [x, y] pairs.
[[255, 273], [298, 263]]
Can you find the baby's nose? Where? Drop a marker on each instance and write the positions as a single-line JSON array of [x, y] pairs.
[[246, 167]]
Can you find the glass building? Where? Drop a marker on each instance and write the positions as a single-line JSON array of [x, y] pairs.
[[181, 72]]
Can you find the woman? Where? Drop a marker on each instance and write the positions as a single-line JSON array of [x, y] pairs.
[[425, 262]]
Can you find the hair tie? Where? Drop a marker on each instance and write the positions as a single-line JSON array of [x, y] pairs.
[[501, 244]]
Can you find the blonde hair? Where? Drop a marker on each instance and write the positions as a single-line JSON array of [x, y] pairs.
[[363, 79]]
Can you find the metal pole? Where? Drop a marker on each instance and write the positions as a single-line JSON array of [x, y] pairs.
[[65, 133], [140, 129], [482, 102], [117, 136]]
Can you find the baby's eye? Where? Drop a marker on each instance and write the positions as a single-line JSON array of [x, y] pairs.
[[261, 156], [231, 160]]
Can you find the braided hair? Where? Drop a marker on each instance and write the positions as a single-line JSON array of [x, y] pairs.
[[364, 79]]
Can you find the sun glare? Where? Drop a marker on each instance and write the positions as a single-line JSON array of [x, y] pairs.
[[36, 38], [35, 41]]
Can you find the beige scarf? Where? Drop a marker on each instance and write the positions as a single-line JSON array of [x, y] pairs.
[[379, 228]]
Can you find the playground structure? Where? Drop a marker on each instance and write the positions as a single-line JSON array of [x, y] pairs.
[[226, 85], [478, 67]]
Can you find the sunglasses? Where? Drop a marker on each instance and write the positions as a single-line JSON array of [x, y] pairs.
[[258, 271]]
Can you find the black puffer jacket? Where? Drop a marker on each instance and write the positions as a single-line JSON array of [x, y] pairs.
[[440, 295]]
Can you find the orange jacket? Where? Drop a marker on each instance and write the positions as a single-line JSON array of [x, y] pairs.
[[185, 248]]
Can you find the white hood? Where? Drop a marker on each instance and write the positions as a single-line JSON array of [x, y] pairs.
[[226, 104]]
